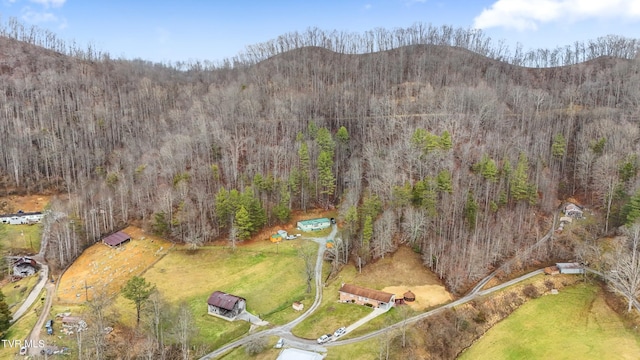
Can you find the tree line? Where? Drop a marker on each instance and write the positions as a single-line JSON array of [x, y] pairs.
[[456, 154]]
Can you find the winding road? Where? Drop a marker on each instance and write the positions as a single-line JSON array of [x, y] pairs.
[[34, 295], [284, 331]]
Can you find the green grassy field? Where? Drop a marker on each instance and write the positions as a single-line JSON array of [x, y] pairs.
[[21, 329], [575, 324], [16, 292], [269, 281], [21, 239]]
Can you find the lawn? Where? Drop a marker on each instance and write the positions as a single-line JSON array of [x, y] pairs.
[[269, 277], [575, 324], [16, 292], [20, 239], [21, 329], [397, 273]]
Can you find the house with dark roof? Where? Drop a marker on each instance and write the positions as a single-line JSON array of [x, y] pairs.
[[24, 267], [363, 296], [225, 305], [116, 239]]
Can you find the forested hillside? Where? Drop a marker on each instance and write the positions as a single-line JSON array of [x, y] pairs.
[[433, 137]]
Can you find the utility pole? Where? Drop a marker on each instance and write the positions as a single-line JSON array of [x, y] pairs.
[[86, 291]]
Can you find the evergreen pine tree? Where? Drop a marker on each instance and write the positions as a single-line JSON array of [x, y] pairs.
[[243, 223], [5, 316]]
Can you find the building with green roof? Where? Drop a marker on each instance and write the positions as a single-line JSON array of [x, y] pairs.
[[313, 224]]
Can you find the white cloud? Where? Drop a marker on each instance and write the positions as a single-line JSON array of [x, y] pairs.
[[367, 6], [529, 14], [49, 3], [38, 17]]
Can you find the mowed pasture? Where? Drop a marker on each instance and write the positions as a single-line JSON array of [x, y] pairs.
[[104, 270], [22, 239], [269, 276], [575, 324]]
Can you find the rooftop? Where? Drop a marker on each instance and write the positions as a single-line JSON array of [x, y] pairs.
[[314, 221], [223, 300], [297, 354], [368, 293], [116, 239]]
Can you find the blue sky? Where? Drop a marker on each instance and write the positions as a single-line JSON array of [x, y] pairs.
[[162, 30]]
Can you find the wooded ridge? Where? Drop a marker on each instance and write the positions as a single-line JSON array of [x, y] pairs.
[[421, 140]]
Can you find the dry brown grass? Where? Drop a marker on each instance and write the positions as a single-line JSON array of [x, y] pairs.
[[29, 203], [108, 269]]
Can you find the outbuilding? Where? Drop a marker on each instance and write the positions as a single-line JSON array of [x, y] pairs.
[[409, 296], [313, 224], [570, 268], [116, 239], [298, 354], [276, 238]]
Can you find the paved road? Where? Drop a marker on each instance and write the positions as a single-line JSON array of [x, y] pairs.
[[422, 316], [508, 263], [35, 292], [284, 331], [43, 281]]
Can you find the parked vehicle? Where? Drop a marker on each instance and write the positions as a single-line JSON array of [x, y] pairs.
[[280, 343], [23, 350], [341, 331], [324, 338]]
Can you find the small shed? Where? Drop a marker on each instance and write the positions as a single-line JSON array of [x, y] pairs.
[[116, 239], [298, 306], [409, 296], [276, 238], [551, 270], [570, 268], [71, 321], [313, 224]]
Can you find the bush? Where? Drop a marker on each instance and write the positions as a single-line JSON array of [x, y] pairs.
[[549, 284], [256, 346], [531, 292]]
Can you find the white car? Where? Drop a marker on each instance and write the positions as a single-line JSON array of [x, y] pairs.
[[324, 338], [340, 332], [280, 344]]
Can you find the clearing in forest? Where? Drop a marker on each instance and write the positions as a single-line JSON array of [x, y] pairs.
[[29, 203], [102, 268], [575, 324], [406, 270]]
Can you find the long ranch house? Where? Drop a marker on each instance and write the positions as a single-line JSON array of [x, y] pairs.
[[21, 218], [364, 296]]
